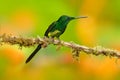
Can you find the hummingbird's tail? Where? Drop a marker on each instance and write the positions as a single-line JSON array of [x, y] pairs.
[[33, 53]]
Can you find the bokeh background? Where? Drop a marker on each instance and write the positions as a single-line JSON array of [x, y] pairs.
[[30, 18]]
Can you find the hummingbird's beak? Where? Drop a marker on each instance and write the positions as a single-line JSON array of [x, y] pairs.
[[80, 17]]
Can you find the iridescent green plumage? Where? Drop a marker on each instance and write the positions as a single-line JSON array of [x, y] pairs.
[[56, 29]]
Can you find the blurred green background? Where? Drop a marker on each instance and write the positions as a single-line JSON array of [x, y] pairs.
[[30, 18]]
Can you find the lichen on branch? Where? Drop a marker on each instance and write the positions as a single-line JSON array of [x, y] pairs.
[[76, 48]]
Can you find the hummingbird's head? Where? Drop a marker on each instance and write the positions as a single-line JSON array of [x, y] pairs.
[[66, 19]]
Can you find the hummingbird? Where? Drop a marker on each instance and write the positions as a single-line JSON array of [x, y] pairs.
[[56, 29]]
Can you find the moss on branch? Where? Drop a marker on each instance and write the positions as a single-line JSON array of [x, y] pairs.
[[76, 48]]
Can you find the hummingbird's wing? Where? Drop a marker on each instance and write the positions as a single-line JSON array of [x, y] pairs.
[[50, 28]]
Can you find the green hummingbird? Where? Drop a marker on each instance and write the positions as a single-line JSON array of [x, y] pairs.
[[56, 29]]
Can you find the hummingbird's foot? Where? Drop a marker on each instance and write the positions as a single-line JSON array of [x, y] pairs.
[[59, 46], [51, 40], [46, 38], [59, 41]]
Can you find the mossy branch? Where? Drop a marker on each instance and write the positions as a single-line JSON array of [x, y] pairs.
[[76, 48]]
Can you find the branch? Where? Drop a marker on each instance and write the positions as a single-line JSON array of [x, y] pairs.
[[27, 42]]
